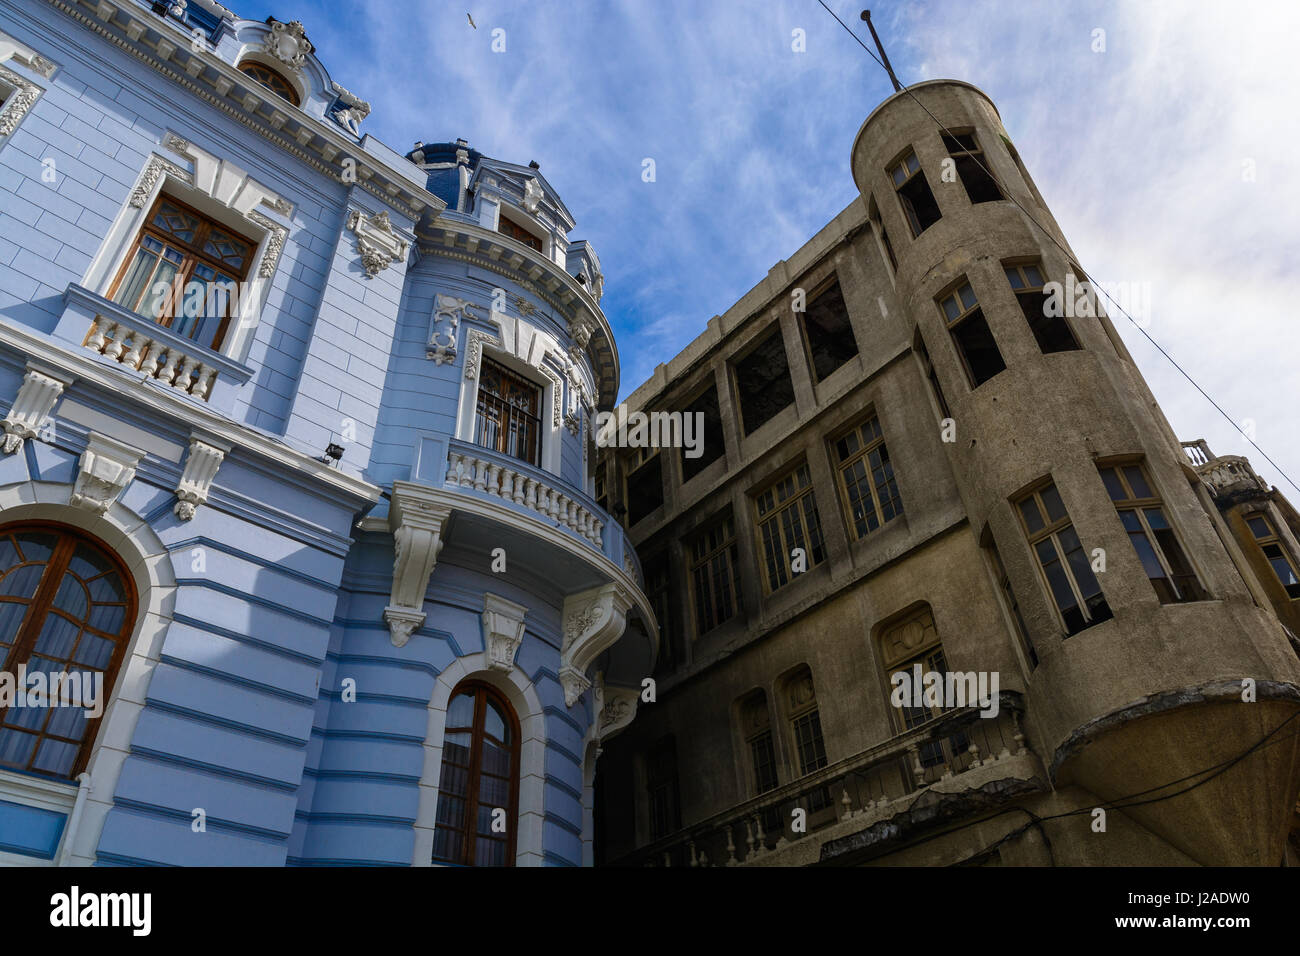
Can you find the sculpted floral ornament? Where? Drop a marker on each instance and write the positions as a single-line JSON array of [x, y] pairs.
[[503, 631], [453, 309], [19, 101], [288, 43], [106, 468], [377, 242]]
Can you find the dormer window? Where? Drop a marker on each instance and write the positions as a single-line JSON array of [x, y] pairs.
[[519, 233], [272, 80]]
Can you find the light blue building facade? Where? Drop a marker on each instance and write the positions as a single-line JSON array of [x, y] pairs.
[[332, 544]]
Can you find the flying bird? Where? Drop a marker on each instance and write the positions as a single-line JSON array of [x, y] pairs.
[[471, 21]]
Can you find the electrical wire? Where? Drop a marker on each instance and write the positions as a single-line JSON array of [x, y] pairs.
[[1071, 257]]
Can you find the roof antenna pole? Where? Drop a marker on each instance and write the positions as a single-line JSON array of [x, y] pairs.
[[884, 57]]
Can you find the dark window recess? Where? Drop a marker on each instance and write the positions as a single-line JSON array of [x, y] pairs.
[[919, 205], [661, 786], [763, 382], [645, 490], [712, 447], [519, 234], [979, 349], [830, 335], [972, 168], [889, 248], [764, 757], [1052, 331], [658, 583], [932, 376]]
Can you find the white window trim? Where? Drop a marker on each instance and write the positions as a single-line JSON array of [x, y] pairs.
[[18, 93], [215, 187]]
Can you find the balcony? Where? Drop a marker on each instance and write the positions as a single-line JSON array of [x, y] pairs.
[[148, 350], [1229, 477], [924, 777]]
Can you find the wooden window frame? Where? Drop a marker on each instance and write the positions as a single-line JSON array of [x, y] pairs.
[[832, 282], [1138, 507], [966, 313], [520, 234], [482, 690], [289, 94], [902, 166], [510, 411], [1029, 290], [1273, 538], [778, 508], [39, 607], [1051, 530], [974, 152], [193, 256], [863, 453], [728, 548]]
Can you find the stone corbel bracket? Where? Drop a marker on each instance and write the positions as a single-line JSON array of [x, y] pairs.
[[107, 467], [615, 708], [417, 524], [378, 243], [31, 409], [503, 631], [200, 469], [593, 621]]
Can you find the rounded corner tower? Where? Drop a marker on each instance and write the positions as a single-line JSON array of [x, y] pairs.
[[1156, 667]]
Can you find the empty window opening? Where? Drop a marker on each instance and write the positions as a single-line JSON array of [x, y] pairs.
[[971, 335]]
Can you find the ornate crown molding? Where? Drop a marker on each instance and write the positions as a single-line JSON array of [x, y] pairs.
[[107, 466], [377, 242], [503, 631], [153, 170], [31, 408], [18, 103], [276, 235], [200, 470], [593, 622], [416, 522]]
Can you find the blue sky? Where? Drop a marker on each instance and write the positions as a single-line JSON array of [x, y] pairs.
[[1139, 150]]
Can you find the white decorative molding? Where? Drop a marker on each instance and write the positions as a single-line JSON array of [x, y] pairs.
[[416, 522], [377, 242], [349, 111], [11, 49], [31, 408], [503, 631], [453, 309], [288, 43], [523, 306], [153, 170], [593, 622], [107, 467], [22, 98], [532, 195], [200, 470], [474, 350], [557, 395], [275, 237], [615, 708]]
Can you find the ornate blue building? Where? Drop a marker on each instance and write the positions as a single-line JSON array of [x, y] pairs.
[[297, 461]]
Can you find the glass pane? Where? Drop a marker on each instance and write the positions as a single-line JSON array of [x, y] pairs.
[[106, 589], [967, 296], [1052, 502], [1259, 527], [1138, 482], [107, 617], [494, 724], [461, 712], [11, 616], [496, 759], [71, 597], [16, 747], [1035, 277], [86, 563], [94, 652], [58, 635], [36, 546], [1029, 511], [1114, 487], [1013, 276], [22, 582], [136, 279], [493, 791], [155, 304], [68, 722]]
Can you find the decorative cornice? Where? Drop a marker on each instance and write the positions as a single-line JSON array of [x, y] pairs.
[[153, 171], [503, 631], [288, 43], [416, 521], [196, 481], [107, 466]]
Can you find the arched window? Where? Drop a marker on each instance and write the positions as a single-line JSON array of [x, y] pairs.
[[67, 608], [478, 790], [272, 80]]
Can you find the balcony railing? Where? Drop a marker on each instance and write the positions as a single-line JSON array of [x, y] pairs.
[[1226, 475], [873, 785]]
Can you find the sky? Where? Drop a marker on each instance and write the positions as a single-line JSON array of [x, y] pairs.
[[1170, 158]]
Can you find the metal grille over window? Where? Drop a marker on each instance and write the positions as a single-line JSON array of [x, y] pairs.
[[1064, 563], [787, 519], [507, 418], [1158, 548]]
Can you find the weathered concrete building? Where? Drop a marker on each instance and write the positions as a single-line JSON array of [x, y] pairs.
[[916, 462]]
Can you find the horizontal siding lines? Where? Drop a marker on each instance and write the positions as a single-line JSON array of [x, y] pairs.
[[226, 678], [553, 711], [554, 781], [223, 548], [336, 861], [327, 734], [356, 819], [554, 859], [210, 585], [379, 659], [564, 752], [214, 770], [336, 696], [563, 824], [405, 778], [213, 721], [271, 837], [278, 649]]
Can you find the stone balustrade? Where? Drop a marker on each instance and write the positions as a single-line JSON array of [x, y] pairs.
[[524, 486], [155, 354]]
